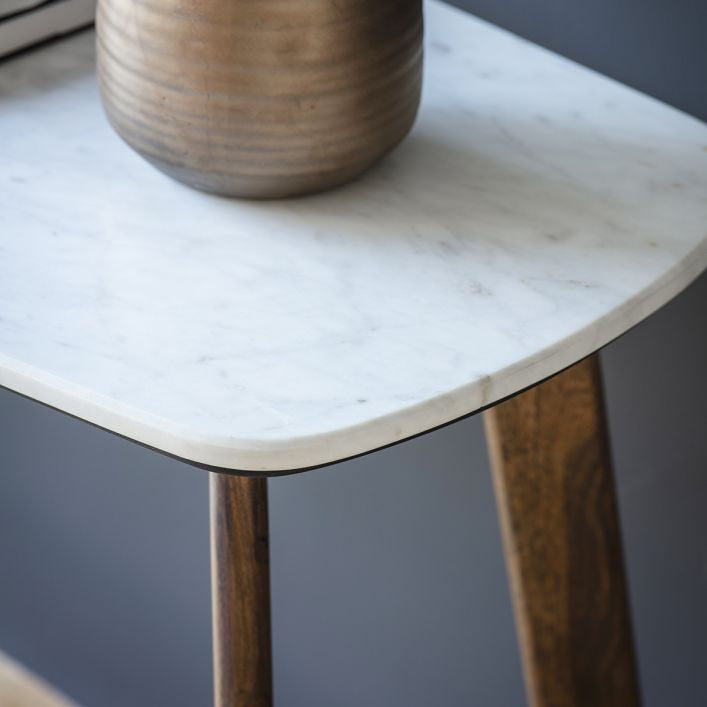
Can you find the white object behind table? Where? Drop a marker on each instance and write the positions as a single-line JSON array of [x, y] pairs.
[[12, 7], [27, 22]]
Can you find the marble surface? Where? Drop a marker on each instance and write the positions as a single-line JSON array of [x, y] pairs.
[[537, 211]]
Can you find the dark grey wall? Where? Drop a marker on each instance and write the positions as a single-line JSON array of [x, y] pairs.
[[388, 582]]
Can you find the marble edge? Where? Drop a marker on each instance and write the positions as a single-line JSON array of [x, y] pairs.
[[273, 456]]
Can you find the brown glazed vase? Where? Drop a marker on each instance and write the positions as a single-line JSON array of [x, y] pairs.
[[261, 98]]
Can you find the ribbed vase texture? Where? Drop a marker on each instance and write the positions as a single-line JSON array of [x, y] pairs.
[[261, 98]]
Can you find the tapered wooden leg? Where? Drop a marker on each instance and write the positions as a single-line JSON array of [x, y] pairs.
[[555, 491], [241, 591]]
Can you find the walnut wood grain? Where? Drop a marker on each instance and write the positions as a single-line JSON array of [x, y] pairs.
[[261, 98], [241, 591], [555, 491]]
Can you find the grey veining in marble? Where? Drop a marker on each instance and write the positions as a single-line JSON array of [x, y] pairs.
[[537, 211]]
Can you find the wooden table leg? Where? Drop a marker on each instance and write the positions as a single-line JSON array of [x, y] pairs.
[[241, 591], [555, 491]]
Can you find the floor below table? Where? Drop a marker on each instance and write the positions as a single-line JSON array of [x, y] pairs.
[[19, 687]]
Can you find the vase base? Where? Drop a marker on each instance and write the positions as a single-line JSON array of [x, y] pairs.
[[264, 187]]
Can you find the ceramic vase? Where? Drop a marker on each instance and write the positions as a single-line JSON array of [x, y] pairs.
[[260, 98]]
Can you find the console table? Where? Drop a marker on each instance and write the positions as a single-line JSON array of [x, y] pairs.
[[537, 212]]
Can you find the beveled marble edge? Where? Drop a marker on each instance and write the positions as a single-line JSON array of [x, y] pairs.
[[273, 457]]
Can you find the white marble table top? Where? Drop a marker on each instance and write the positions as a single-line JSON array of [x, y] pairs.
[[537, 211]]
